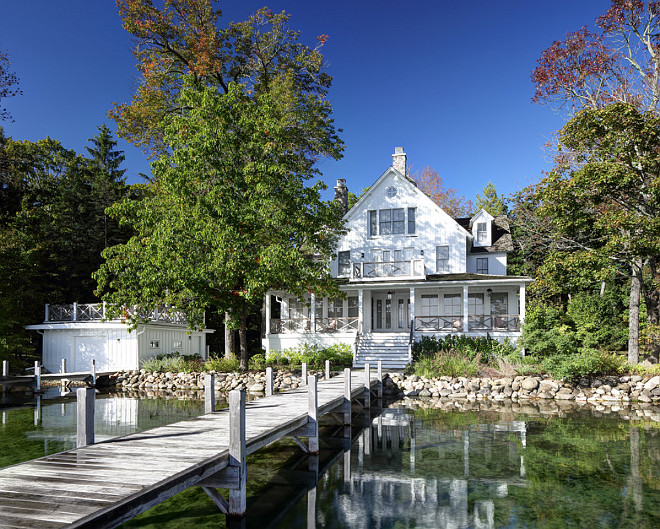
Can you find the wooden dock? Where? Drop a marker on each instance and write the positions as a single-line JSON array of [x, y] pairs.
[[105, 484]]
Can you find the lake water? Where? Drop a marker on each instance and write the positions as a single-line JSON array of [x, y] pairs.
[[420, 464]]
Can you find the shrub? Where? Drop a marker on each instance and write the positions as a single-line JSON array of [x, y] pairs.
[[486, 347], [340, 355], [257, 362], [447, 363], [222, 364], [174, 362], [586, 362]]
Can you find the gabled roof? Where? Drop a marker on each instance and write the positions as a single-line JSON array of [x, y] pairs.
[[501, 235], [413, 185]]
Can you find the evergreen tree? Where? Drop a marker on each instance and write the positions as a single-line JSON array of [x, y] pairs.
[[490, 201]]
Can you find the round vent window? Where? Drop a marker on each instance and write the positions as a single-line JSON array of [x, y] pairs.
[[391, 192]]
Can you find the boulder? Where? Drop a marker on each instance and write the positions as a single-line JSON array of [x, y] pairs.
[[530, 384]]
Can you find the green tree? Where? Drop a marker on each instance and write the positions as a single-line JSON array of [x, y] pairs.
[[490, 201], [229, 215], [8, 84], [603, 199]]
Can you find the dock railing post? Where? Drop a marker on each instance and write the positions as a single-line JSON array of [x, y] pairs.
[[237, 452], [367, 386], [5, 368], [327, 369], [209, 393], [269, 382], [313, 400], [347, 396], [85, 431], [37, 376], [93, 372], [304, 373], [63, 366], [380, 379]]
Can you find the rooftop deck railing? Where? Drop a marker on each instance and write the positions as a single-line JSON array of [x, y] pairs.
[[76, 312], [387, 269]]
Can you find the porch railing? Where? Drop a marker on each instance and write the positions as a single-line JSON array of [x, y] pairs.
[[322, 325], [412, 268], [499, 322], [96, 312]]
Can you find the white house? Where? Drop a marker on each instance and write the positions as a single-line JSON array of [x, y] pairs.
[[79, 334], [408, 270]]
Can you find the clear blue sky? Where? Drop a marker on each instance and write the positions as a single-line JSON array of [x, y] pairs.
[[449, 81]]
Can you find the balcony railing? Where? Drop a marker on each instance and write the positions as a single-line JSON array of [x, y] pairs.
[[304, 325], [96, 312], [387, 269], [500, 322]]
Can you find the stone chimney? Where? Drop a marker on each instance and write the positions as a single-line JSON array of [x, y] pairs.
[[399, 160], [341, 194]]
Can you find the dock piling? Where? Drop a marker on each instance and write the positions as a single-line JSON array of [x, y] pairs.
[[327, 369], [313, 400], [269, 381], [85, 430], [63, 366], [237, 452], [380, 380], [209, 393], [93, 372], [347, 396], [5, 368], [367, 386], [304, 373], [37, 376]]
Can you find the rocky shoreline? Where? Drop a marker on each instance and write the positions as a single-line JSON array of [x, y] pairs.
[[627, 388]]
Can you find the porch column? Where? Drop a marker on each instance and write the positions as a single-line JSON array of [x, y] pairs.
[[522, 303], [361, 310], [412, 306], [465, 309], [312, 313], [268, 311]]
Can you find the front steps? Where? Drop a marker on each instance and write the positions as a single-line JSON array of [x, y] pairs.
[[391, 348]]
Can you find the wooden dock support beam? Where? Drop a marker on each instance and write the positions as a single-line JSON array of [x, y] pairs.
[[327, 369], [367, 386], [311, 429], [237, 452], [85, 431], [269, 382], [209, 393]]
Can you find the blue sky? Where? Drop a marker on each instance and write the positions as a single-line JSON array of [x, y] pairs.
[[449, 81]]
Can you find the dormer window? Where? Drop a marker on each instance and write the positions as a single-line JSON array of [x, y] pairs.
[[482, 232]]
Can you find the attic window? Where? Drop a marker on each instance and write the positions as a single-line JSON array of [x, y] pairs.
[[482, 234]]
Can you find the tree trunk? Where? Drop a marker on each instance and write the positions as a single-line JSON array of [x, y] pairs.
[[633, 316], [652, 302], [230, 341], [242, 334]]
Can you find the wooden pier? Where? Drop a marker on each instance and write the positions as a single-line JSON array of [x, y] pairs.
[[103, 485]]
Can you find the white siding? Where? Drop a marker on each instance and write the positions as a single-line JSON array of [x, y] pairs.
[[496, 263]]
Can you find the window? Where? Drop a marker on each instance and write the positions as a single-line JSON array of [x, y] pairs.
[[453, 305], [476, 304], [398, 221], [335, 308], [352, 306], [344, 263], [499, 303], [385, 227], [411, 220], [442, 259], [154, 344], [177, 345], [482, 265], [373, 224], [429, 305], [296, 308], [482, 234]]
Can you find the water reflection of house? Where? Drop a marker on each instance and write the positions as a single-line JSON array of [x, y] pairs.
[[424, 477]]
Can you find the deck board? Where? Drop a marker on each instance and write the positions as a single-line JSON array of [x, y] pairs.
[[103, 485]]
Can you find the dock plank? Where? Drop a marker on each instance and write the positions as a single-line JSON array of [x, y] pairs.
[[103, 485]]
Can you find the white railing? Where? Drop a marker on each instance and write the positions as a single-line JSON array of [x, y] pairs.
[[412, 268], [336, 324], [96, 312], [500, 322], [292, 325]]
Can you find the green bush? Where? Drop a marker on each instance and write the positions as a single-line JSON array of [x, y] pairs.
[[222, 364], [257, 362], [340, 355], [487, 348], [174, 362], [586, 362], [548, 331], [447, 363]]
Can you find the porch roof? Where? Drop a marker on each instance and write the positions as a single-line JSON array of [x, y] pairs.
[[442, 278]]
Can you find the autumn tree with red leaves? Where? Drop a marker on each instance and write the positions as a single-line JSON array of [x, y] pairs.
[[608, 78], [430, 182]]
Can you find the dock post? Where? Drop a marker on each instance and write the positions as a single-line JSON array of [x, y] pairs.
[[327, 369], [347, 396], [367, 386], [304, 373], [37, 411], [313, 400], [209, 393], [85, 431], [63, 366], [380, 380], [93, 372], [37, 376], [237, 452], [269, 382], [5, 368]]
